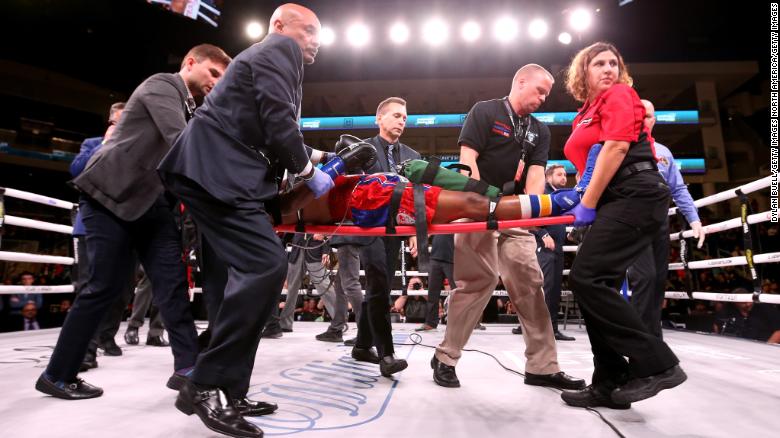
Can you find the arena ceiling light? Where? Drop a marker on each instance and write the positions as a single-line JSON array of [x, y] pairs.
[[470, 31], [399, 33], [505, 29], [538, 28], [435, 32], [254, 30], [580, 19], [564, 38], [358, 35], [327, 36]]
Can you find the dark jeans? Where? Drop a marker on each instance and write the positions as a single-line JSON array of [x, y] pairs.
[[647, 277], [110, 245], [551, 263], [379, 261], [629, 216], [244, 265], [437, 272]]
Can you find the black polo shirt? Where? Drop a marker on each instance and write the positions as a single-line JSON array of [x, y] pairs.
[[489, 131]]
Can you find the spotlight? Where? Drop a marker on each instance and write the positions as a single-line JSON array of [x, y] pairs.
[[358, 35], [505, 29], [537, 28], [399, 33], [580, 19], [254, 30], [564, 38], [470, 31], [327, 36], [435, 32]]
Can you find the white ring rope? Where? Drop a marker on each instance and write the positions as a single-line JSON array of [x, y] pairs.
[[9, 256], [65, 288], [730, 194], [771, 257], [727, 225], [32, 197], [38, 225]]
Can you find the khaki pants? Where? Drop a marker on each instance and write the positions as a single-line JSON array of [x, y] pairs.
[[479, 258]]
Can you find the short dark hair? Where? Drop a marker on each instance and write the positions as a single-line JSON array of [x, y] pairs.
[[551, 168], [115, 107], [388, 101], [211, 52]]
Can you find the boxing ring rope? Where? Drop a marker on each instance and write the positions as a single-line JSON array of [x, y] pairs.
[[459, 227]]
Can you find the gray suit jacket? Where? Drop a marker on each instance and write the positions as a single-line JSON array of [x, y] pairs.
[[121, 175], [247, 129]]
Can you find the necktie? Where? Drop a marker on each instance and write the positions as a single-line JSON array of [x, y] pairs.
[[390, 160]]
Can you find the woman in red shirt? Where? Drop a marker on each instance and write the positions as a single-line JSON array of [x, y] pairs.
[[626, 202]]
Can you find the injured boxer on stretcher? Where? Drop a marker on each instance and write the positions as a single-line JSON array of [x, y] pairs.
[[367, 199]]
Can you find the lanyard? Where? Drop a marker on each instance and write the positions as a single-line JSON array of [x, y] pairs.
[[520, 133]]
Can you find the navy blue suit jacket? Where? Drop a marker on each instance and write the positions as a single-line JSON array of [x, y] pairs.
[[88, 148]]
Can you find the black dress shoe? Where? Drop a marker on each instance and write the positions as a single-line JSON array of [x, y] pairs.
[[270, 333], [216, 410], [75, 390], [444, 375], [351, 342], [157, 341], [390, 365], [592, 397], [252, 408], [110, 348], [558, 380], [286, 330], [640, 388], [517, 330], [561, 337], [424, 328], [89, 362], [364, 355], [330, 335], [131, 336]]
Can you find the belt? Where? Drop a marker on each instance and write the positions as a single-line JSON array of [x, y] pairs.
[[633, 168]]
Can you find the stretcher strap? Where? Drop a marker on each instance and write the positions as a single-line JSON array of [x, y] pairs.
[[430, 172], [476, 186], [421, 225], [395, 203]]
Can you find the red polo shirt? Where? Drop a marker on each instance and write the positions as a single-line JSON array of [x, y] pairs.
[[616, 114]]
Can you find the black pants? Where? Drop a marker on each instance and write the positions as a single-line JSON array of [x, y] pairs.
[[243, 258], [437, 272], [647, 277], [551, 263], [110, 244], [379, 261], [109, 326], [629, 216]]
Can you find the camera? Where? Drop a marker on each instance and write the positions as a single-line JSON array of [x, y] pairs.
[[417, 286]]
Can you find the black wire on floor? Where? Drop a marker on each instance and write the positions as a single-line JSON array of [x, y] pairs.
[[417, 340]]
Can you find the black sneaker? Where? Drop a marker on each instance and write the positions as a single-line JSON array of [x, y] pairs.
[[641, 388], [592, 397], [351, 342], [561, 337], [330, 335], [517, 330]]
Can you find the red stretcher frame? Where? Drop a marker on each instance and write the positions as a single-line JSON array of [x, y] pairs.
[[409, 230]]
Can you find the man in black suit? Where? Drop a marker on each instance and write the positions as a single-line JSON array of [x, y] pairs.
[[125, 209], [225, 168], [379, 255]]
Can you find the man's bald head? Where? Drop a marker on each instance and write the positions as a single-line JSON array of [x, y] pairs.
[[299, 23], [649, 115], [530, 87]]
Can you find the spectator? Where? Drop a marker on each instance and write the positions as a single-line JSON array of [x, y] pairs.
[[29, 313]]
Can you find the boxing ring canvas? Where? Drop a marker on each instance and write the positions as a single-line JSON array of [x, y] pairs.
[[733, 390]]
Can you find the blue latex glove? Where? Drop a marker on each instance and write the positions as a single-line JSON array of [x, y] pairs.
[[583, 215], [587, 174], [334, 167], [564, 200], [320, 183]]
